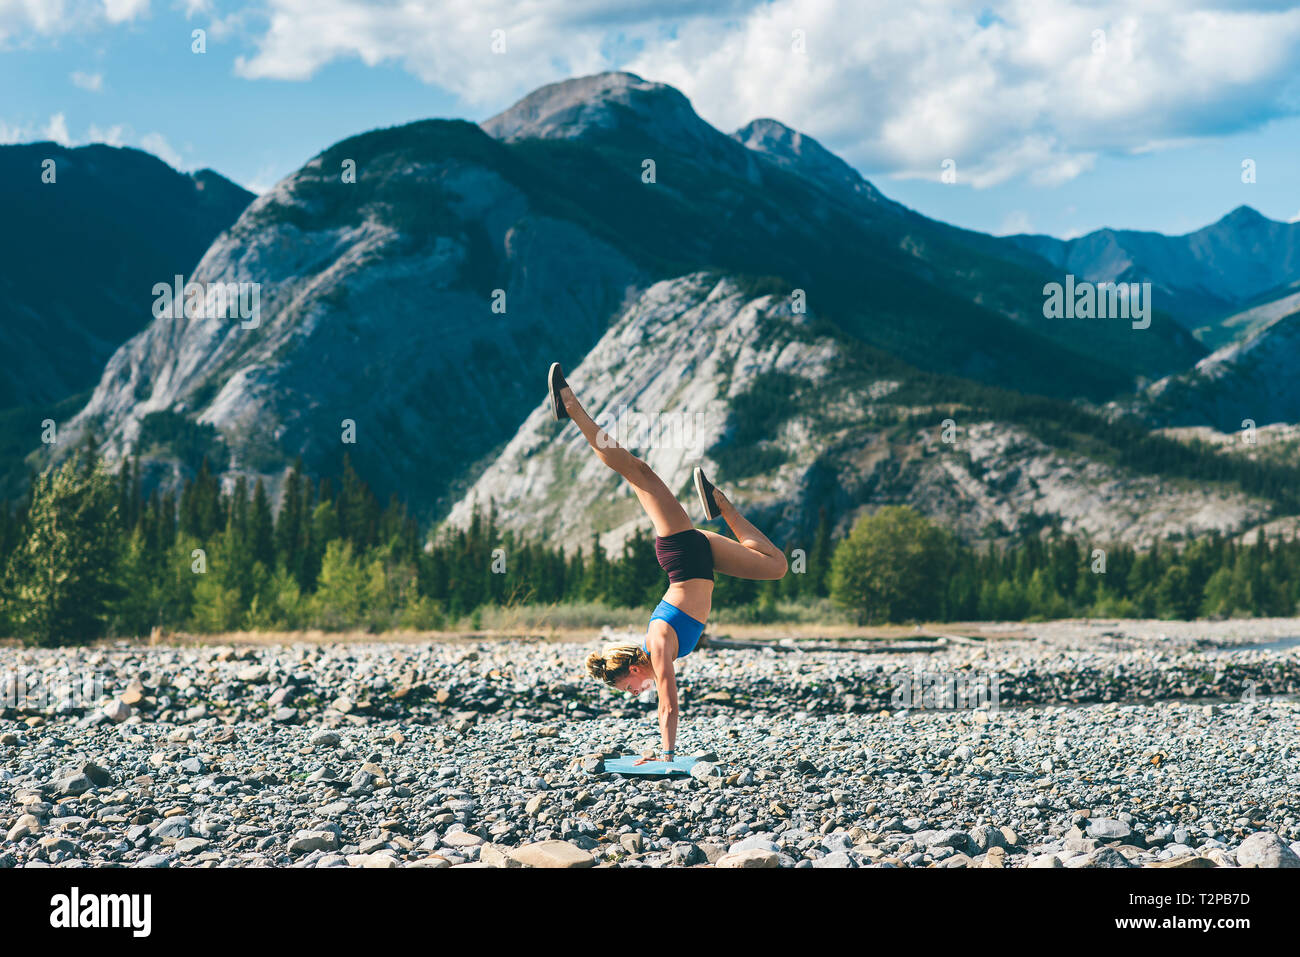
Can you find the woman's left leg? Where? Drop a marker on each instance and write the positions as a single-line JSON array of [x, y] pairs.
[[666, 513], [752, 555]]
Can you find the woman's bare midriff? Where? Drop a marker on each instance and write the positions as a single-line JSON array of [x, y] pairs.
[[693, 596]]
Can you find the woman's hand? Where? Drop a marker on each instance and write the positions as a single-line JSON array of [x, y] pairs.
[[666, 758]]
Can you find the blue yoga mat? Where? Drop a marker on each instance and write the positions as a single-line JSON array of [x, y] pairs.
[[625, 765]]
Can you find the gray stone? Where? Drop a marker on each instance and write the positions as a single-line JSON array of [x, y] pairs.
[[687, 855], [190, 845], [751, 858], [307, 841], [983, 836], [703, 770], [558, 854], [177, 826], [1266, 849], [117, 710], [1108, 829], [1104, 857], [958, 840], [77, 784], [836, 859], [754, 842]]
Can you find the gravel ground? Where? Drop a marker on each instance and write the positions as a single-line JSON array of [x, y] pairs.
[[1109, 745]]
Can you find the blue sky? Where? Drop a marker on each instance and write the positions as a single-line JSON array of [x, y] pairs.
[[1060, 116]]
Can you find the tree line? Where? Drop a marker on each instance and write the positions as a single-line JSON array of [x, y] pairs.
[[87, 554], [897, 565]]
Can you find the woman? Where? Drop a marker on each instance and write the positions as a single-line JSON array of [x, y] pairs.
[[689, 555]]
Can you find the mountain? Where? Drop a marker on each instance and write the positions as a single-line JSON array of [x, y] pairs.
[[803, 155], [79, 257], [621, 108], [769, 200], [375, 307], [1250, 316], [406, 318], [790, 420], [1200, 278], [1253, 379]]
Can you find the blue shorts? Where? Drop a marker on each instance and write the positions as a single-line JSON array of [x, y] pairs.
[[687, 628]]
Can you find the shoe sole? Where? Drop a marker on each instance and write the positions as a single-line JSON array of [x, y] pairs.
[[702, 492], [557, 407]]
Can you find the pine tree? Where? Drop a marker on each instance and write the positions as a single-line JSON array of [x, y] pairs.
[[63, 573], [358, 512], [261, 528], [819, 559], [341, 593], [290, 527], [201, 508]]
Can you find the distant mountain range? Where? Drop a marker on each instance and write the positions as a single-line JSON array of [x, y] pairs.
[[1249, 381], [1203, 279], [754, 277], [79, 256]]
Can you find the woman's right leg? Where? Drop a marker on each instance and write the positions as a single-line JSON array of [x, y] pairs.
[[664, 510], [752, 555]]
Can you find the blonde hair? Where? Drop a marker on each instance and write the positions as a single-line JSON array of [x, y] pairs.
[[612, 663]]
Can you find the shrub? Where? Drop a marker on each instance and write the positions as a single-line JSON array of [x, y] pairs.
[[893, 567]]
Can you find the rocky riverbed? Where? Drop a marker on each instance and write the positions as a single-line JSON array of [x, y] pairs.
[[1116, 745]]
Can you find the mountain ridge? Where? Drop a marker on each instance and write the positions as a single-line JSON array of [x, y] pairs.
[[1225, 263], [379, 308], [124, 219], [789, 422]]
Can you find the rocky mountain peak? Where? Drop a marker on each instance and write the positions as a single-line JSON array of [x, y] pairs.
[[622, 107], [1243, 216], [802, 154]]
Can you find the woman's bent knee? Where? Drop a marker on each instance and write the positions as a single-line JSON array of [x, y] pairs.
[[778, 567]]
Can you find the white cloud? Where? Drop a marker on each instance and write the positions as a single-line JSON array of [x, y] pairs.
[[157, 144], [1016, 221], [119, 134], [41, 16], [51, 17], [264, 179], [1024, 97], [1009, 89], [895, 88], [57, 130], [119, 11], [113, 136], [450, 42], [94, 82], [1295, 218]]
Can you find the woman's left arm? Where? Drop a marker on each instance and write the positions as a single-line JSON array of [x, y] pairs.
[[668, 707]]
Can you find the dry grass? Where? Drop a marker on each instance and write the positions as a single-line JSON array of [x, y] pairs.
[[765, 632]]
